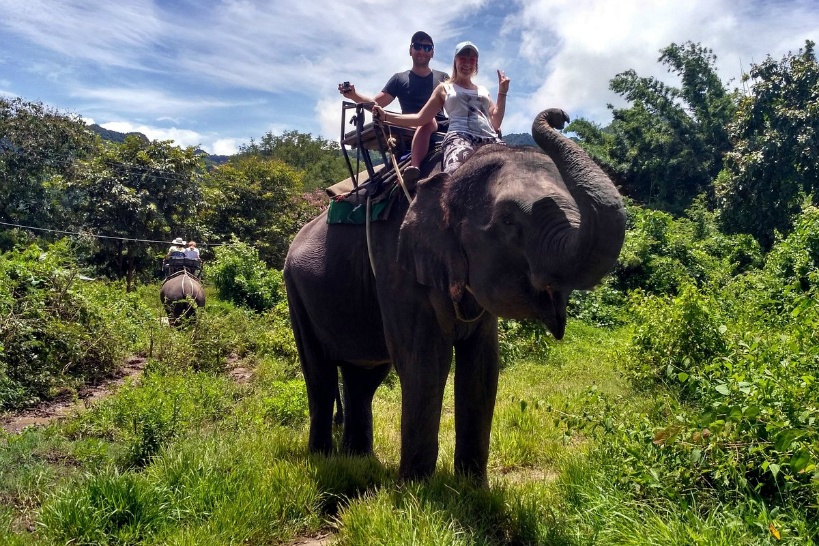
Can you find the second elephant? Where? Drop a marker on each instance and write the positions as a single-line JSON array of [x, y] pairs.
[[181, 294]]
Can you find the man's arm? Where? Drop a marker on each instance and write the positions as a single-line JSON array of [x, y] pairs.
[[381, 99]]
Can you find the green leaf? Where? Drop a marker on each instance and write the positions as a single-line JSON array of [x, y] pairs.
[[774, 469], [723, 389], [683, 377], [799, 460], [750, 412], [785, 438]]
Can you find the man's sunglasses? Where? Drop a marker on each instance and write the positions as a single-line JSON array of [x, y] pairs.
[[425, 47]]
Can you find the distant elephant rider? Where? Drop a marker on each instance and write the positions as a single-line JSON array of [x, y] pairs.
[[412, 89], [192, 253], [177, 249]]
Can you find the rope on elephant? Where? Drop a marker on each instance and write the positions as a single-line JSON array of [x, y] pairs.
[[458, 314], [390, 140], [367, 231]]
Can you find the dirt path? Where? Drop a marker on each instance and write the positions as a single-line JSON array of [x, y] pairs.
[[47, 412]]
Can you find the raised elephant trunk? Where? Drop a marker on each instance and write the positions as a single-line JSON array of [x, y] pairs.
[[603, 218]]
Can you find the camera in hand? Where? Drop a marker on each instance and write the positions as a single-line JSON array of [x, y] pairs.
[[345, 87]]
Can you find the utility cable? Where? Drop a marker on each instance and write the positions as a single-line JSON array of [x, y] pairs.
[[85, 234]]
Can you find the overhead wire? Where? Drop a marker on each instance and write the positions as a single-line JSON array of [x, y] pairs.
[[88, 234]]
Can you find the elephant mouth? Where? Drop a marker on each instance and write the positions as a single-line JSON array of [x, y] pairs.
[[522, 301]]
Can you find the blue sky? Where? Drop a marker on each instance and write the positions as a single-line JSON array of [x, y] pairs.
[[219, 73]]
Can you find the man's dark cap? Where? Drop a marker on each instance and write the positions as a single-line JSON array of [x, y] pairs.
[[419, 36]]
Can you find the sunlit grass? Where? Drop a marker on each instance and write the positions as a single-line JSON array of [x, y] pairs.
[[219, 464]]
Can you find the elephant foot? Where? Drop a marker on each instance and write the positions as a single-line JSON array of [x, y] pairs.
[[472, 473]]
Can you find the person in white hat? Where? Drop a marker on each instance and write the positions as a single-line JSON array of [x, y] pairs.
[[474, 119], [177, 248]]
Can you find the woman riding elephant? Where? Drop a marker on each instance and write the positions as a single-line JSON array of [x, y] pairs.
[[510, 233], [474, 119]]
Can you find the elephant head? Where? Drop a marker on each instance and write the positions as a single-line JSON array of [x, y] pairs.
[[517, 229]]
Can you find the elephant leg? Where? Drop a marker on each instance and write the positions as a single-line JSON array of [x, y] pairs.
[[322, 383], [476, 387], [321, 378], [359, 387], [422, 398]]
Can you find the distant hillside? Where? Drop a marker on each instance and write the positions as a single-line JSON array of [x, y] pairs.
[[519, 139], [115, 136]]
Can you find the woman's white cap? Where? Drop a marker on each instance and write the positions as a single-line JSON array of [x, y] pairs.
[[466, 45]]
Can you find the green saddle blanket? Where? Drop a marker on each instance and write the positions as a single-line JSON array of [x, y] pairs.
[[354, 211]]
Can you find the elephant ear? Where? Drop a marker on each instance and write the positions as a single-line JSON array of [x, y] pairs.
[[428, 245]]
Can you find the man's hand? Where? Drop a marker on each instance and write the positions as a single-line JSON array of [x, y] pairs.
[[346, 89]]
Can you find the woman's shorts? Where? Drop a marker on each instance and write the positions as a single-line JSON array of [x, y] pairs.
[[458, 146]]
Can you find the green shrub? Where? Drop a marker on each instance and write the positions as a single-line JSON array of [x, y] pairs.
[[59, 329], [674, 336], [661, 254], [242, 278], [604, 306], [287, 405], [522, 339]]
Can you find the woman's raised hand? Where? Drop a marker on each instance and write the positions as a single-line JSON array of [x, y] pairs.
[[503, 82]]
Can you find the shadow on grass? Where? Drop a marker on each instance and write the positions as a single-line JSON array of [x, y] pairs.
[[368, 504]]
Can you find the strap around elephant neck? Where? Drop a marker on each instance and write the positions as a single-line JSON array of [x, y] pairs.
[[458, 314]]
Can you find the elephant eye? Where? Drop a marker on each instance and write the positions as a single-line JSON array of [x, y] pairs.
[[507, 220]]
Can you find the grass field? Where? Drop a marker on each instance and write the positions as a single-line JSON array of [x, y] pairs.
[[190, 457]]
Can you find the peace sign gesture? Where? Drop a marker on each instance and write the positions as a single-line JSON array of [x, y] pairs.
[[503, 83]]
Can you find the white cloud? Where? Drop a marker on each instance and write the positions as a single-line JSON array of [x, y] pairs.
[[182, 137], [97, 30], [147, 101], [225, 146], [240, 67]]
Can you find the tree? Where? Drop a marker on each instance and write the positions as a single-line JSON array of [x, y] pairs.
[[775, 160], [137, 190], [320, 159], [667, 147], [39, 148], [254, 200]]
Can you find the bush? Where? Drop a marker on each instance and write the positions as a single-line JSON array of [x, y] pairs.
[[661, 255], [674, 337], [287, 405], [59, 329], [604, 306], [522, 339], [242, 278]]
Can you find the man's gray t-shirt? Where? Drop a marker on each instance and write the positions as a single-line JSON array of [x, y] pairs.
[[413, 91]]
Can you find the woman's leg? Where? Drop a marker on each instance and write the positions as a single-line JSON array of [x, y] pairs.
[[457, 147]]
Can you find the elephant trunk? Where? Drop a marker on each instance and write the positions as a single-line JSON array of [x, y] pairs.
[[602, 215]]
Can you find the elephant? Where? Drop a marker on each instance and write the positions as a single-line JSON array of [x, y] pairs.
[[511, 233], [181, 294]]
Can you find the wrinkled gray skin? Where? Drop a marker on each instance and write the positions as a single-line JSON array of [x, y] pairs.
[[510, 234], [181, 295]]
